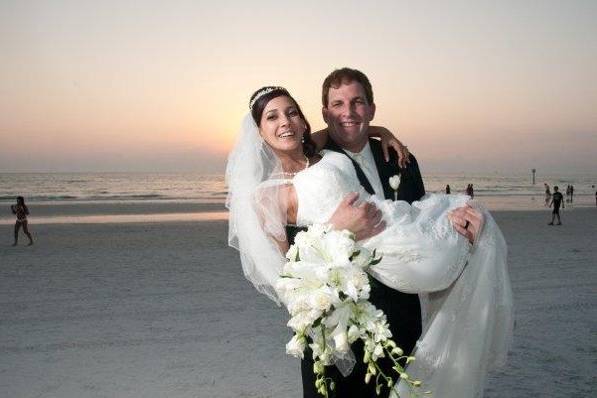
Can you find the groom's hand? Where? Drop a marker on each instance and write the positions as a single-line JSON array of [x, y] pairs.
[[467, 221], [364, 220]]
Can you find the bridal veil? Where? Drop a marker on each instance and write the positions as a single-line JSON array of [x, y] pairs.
[[255, 213]]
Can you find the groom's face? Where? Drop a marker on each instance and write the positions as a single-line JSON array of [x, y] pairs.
[[348, 114]]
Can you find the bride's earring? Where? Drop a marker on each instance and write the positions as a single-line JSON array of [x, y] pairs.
[[303, 139]]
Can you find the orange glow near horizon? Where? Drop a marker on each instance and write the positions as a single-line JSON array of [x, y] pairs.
[[106, 85]]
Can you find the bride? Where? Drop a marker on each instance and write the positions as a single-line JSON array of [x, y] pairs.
[[276, 178]]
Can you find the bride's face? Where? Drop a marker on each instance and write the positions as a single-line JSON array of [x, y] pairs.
[[281, 125]]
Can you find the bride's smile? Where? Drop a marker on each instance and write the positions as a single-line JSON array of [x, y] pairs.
[[282, 126]]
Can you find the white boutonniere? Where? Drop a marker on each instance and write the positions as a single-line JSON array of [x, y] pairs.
[[395, 183]]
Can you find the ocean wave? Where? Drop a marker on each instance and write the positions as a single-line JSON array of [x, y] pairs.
[[67, 198], [40, 198]]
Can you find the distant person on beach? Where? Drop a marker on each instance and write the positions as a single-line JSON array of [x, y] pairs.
[[21, 211], [571, 193], [448, 190], [557, 200], [547, 195], [472, 195], [469, 191], [568, 193]]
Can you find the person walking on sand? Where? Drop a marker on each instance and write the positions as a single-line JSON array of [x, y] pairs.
[[557, 200], [567, 193], [21, 211], [547, 194], [571, 193], [448, 190]]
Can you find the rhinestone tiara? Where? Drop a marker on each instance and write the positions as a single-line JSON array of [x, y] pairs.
[[263, 92]]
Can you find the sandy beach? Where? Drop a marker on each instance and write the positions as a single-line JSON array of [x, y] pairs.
[[161, 309]]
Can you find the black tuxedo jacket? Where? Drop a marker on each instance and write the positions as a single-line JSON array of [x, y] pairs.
[[411, 184], [402, 310]]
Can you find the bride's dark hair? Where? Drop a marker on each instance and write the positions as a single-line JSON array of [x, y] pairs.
[[271, 92]]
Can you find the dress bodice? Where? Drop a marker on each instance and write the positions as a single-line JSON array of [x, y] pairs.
[[321, 187]]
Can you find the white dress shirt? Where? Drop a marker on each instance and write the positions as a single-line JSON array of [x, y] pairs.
[[367, 162]]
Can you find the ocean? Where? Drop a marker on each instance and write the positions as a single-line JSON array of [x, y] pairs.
[[190, 193]]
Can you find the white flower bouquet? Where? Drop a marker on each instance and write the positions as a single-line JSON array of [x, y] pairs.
[[326, 290]]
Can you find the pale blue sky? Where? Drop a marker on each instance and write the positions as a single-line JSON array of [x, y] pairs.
[[153, 85]]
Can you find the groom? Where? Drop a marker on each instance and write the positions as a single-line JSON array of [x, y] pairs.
[[348, 108]]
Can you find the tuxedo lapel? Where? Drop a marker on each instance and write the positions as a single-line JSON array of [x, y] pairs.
[[384, 169], [332, 146]]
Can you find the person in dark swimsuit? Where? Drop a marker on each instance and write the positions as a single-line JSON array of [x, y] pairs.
[[557, 200], [21, 211]]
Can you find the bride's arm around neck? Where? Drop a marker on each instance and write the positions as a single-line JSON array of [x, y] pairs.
[[387, 138]]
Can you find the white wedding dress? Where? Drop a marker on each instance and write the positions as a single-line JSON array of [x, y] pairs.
[[465, 294]]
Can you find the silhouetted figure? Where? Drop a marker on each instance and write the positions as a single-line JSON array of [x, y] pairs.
[[472, 194], [568, 193], [547, 195], [469, 190], [21, 211], [557, 199], [571, 193], [448, 190]]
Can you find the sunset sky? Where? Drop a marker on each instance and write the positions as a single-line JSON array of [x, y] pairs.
[[162, 86]]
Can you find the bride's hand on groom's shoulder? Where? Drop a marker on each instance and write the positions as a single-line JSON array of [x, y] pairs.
[[364, 219], [468, 221], [389, 141]]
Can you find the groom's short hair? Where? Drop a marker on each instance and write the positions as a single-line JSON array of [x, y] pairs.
[[345, 76]]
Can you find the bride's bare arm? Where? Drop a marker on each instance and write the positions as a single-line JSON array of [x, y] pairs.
[[282, 245], [388, 140], [320, 138]]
